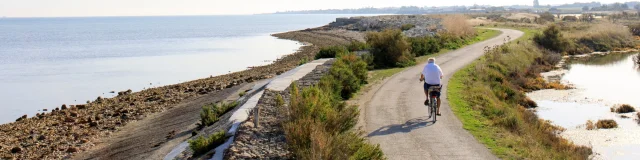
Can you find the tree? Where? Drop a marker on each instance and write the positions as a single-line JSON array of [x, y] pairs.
[[585, 8]]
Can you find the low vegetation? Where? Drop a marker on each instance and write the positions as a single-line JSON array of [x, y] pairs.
[[637, 59], [202, 144], [606, 124], [210, 113], [625, 108], [320, 125], [488, 96], [390, 49], [405, 27], [581, 38], [330, 52], [590, 125]]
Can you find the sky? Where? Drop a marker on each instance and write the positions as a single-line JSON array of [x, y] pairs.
[[90, 8]]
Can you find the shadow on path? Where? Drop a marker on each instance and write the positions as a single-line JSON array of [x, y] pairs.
[[406, 127]]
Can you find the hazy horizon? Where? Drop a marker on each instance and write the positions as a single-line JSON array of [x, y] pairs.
[[116, 8]]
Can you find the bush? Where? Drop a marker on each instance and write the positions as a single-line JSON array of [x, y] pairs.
[[202, 145], [357, 46], [625, 108], [330, 52], [552, 39], [405, 27], [606, 124], [547, 17], [389, 49], [210, 113], [347, 74], [318, 127], [421, 46]]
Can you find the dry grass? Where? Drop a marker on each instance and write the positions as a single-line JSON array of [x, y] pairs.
[[625, 108], [590, 125], [606, 124], [458, 25], [603, 36]]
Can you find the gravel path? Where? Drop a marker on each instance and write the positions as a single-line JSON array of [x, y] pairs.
[[395, 117]]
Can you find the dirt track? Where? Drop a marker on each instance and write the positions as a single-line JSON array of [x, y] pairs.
[[394, 116]]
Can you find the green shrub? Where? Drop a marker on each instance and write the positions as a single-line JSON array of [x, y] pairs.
[[357, 46], [552, 39], [302, 61], [405, 27], [330, 52], [319, 127], [421, 46], [349, 72], [202, 145], [208, 116], [210, 113], [389, 49]]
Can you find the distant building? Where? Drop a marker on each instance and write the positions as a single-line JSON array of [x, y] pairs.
[[536, 4]]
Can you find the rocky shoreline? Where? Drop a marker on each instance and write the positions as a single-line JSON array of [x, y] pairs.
[[70, 129]]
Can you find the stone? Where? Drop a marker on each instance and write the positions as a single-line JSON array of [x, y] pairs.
[[16, 150], [72, 150], [63, 107]]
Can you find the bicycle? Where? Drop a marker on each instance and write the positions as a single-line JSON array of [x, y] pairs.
[[433, 91]]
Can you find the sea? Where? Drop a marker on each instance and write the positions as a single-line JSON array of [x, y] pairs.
[[47, 62]]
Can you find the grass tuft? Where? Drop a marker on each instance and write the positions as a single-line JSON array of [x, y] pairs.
[[606, 124], [202, 144], [625, 108], [210, 113], [590, 125]]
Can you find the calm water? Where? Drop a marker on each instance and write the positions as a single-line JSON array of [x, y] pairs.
[[46, 62], [601, 83]]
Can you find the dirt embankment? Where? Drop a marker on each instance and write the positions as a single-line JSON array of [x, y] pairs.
[[76, 128]]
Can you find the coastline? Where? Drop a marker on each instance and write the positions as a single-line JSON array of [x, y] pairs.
[[71, 129]]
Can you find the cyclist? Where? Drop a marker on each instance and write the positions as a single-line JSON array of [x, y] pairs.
[[431, 75]]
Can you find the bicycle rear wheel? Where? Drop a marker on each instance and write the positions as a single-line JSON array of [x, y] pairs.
[[433, 108]]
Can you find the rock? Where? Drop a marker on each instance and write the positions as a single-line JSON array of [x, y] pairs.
[[63, 107], [42, 137], [73, 114], [69, 120], [93, 124], [81, 106], [16, 150], [72, 150]]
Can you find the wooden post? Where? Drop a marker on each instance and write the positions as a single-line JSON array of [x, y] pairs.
[[256, 116]]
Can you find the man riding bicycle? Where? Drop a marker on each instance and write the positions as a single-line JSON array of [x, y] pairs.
[[431, 75]]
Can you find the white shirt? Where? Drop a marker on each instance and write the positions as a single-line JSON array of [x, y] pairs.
[[432, 73]]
